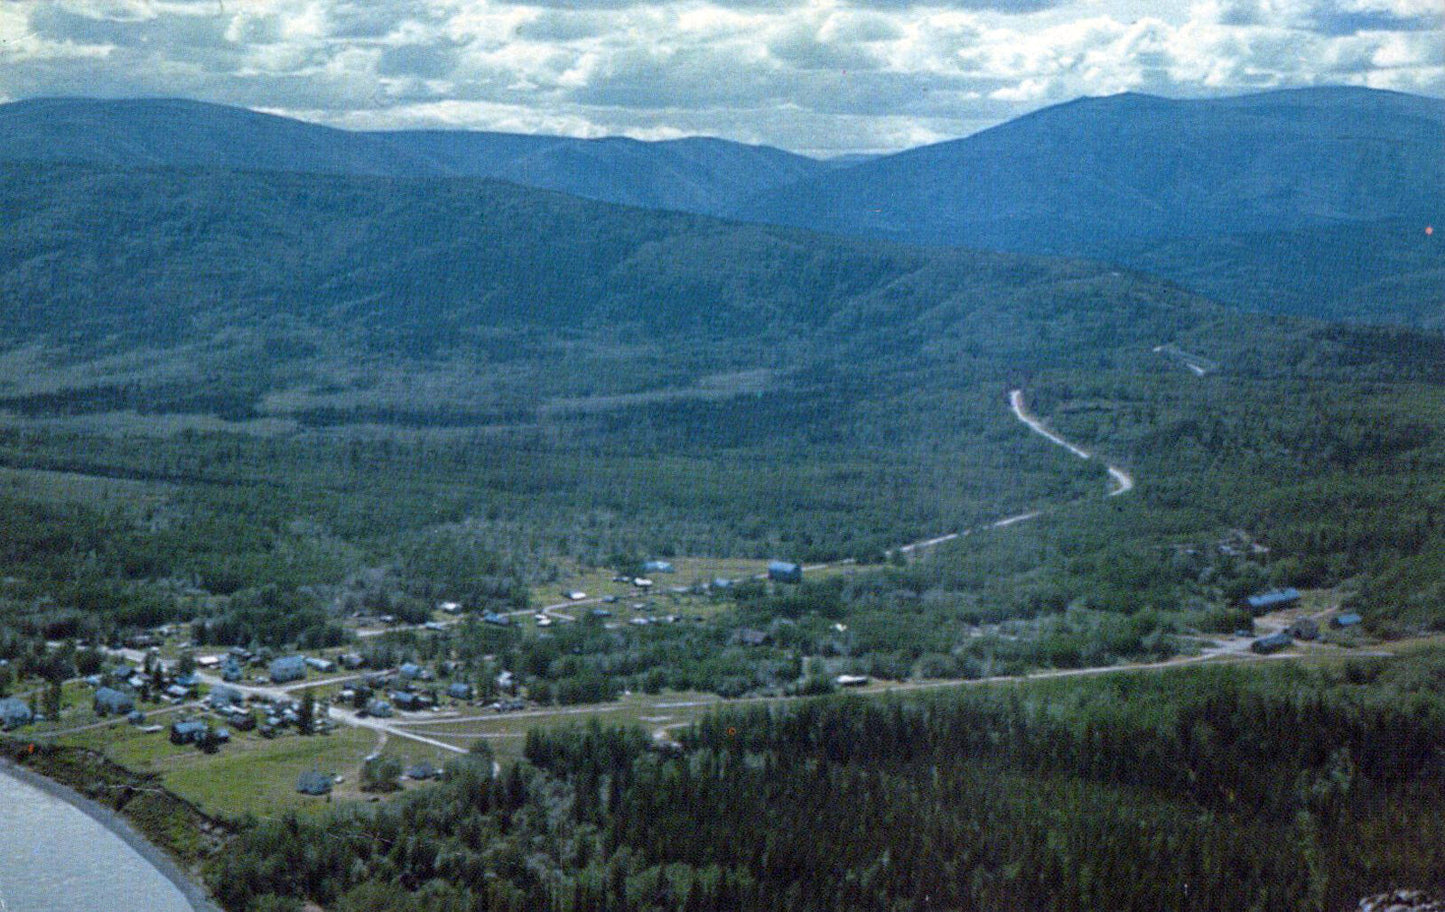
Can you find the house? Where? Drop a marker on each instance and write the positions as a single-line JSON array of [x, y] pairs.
[[492, 617], [111, 702], [410, 671], [451, 607], [1346, 620], [507, 681], [459, 691], [314, 782], [187, 731], [658, 566], [407, 701], [191, 682], [785, 572], [177, 692], [380, 709], [325, 666], [208, 661], [642, 582], [1273, 600], [287, 668], [1304, 629], [15, 712], [851, 680], [1272, 643], [575, 595], [352, 660]]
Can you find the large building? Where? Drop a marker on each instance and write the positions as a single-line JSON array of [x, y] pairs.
[[1274, 600]]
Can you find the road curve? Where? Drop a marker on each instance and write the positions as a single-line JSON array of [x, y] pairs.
[[1121, 480]]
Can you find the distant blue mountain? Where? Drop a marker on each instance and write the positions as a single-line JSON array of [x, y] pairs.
[[695, 174], [1080, 176]]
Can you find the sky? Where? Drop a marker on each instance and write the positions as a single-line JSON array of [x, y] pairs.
[[821, 77]]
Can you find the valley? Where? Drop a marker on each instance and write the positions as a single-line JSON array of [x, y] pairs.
[[440, 540]]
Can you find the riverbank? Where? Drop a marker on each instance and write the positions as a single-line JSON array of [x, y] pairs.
[[116, 823]]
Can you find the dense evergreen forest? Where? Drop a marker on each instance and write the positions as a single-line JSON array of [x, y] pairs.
[[1216, 788]]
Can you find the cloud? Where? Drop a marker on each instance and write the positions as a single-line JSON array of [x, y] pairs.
[[824, 76]]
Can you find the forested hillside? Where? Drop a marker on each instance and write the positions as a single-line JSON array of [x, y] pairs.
[[1213, 789], [243, 396]]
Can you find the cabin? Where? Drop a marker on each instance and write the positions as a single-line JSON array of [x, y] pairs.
[[352, 660], [500, 620], [15, 712], [380, 709], [459, 691], [111, 702], [410, 670], [325, 666], [1272, 643], [188, 731], [785, 572], [1273, 600], [314, 782], [287, 668], [658, 566], [407, 701], [1346, 620]]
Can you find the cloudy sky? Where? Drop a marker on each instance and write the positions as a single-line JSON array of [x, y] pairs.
[[816, 76]]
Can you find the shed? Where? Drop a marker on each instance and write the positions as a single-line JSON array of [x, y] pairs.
[[109, 701], [15, 712], [1273, 600], [314, 782], [287, 668], [785, 572]]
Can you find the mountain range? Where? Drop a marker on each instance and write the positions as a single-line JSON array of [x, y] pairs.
[[1312, 202]]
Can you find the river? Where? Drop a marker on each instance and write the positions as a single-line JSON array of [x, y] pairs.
[[55, 857]]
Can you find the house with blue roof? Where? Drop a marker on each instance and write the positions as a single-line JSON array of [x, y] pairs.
[[111, 702], [1273, 600]]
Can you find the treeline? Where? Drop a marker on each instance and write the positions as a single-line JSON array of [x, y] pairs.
[[1205, 790]]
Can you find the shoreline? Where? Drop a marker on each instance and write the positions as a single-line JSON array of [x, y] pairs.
[[193, 892]]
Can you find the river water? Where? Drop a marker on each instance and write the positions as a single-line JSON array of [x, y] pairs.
[[56, 858]]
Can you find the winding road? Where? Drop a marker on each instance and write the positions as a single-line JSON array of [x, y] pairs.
[[1122, 481]]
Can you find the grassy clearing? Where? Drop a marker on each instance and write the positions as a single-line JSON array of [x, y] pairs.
[[248, 775]]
